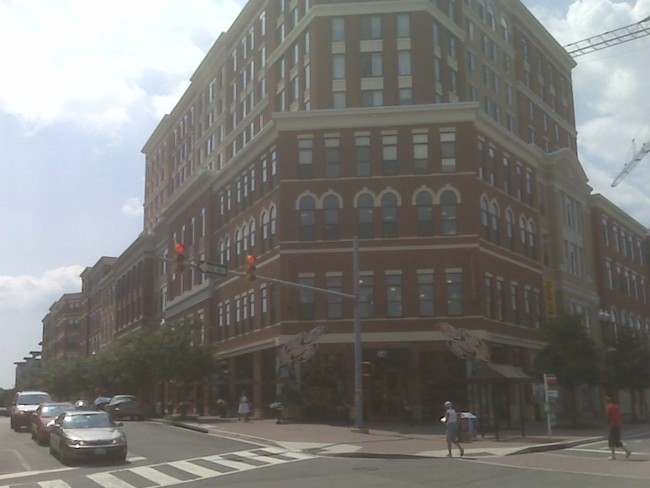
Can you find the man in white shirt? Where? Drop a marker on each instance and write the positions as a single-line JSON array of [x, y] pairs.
[[451, 421]]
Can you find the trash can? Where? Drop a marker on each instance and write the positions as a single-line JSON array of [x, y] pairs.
[[468, 427]]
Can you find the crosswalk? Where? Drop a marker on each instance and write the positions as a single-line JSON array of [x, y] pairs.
[[178, 472]]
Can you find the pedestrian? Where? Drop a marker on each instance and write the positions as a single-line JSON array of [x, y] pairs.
[[451, 428], [614, 421], [244, 409]]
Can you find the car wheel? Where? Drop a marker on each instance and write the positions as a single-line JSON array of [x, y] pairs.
[[33, 434], [16, 427], [52, 452], [40, 438], [63, 457]]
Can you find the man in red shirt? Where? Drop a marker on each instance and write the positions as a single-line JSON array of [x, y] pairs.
[[614, 421]]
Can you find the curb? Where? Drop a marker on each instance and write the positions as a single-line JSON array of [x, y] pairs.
[[556, 446]]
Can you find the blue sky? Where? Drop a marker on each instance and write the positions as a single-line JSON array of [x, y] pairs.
[[81, 92]]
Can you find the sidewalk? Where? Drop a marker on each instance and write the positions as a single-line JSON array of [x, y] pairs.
[[397, 440]]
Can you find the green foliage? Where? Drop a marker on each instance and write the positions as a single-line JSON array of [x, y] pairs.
[[170, 353], [628, 364], [569, 353]]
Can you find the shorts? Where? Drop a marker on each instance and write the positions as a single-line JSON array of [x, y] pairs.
[[614, 439], [452, 432]]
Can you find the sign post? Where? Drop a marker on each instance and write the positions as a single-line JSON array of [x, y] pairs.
[[550, 396]]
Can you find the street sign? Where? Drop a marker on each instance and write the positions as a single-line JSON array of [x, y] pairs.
[[210, 268]]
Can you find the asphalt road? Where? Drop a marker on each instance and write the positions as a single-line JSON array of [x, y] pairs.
[[162, 455]]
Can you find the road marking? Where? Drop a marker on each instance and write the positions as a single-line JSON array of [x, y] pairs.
[[54, 484], [107, 480], [229, 463], [154, 475], [192, 468]]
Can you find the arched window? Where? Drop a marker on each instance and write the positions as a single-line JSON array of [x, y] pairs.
[[265, 231], [251, 235], [245, 239], [449, 207], [222, 252], [531, 237], [510, 229], [238, 246], [424, 205], [228, 257], [307, 208], [494, 221], [274, 230], [331, 206], [389, 215], [485, 219], [365, 216], [522, 231]]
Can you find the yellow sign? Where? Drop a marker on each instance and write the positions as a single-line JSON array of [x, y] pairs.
[[549, 291]]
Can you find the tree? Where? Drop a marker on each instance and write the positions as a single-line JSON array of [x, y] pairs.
[[571, 355], [628, 365]]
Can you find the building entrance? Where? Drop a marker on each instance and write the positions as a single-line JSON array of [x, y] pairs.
[[385, 384]]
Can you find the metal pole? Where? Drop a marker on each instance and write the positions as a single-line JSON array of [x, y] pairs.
[[358, 352]]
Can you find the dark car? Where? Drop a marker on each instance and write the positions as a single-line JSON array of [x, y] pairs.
[[24, 404], [125, 406], [79, 434], [43, 418]]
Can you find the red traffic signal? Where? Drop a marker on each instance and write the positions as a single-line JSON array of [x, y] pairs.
[[179, 258], [250, 267]]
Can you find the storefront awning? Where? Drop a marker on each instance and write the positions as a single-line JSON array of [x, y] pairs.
[[499, 373]]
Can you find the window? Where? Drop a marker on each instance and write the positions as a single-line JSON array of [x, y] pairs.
[[365, 214], [394, 295], [371, 65], [404, 63], [448, 151], [454, 282], [510, 226], [339, 100], [420, 153], [449, 202], [331, 207], [372, 98], [338, 29], [403, 26], [489, 303], [500, 306], [332, 158], [485, 220], [338, 66], [307, 219], [307, 309], [362, 151], [389, 160], [425, 294], [514, 302], [366, 296], [389, 215], [334, 303], [371, 27], [305, 158], [424, 208], [494, 220]]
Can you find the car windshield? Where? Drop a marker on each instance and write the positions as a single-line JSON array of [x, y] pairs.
[[122, 399], [87, 421], [33, 399], [54, 410]]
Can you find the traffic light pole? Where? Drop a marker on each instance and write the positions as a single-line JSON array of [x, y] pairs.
[[358, 352]]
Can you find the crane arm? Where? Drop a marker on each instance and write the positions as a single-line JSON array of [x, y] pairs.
[[609, 39], [636, 159]]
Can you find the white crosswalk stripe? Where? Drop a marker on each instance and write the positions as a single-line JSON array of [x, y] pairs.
[[54, 484], [108, 480], [154, 475]]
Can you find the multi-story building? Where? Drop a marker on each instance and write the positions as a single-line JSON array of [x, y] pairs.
[[435, 132], [62, 329], [439, 136]]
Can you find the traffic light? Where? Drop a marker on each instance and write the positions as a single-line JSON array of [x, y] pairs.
[[250, 268], [179, 258]]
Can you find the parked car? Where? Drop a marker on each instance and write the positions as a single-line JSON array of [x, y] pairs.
[[84, 405], [43, 418], [86, 434], [125, 406], [101, 402], [24, 404]]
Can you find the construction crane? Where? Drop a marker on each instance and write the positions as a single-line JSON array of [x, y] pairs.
[[609, 39], [636, 159]]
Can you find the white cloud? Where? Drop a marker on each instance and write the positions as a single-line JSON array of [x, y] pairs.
[[611, 97], [133, 207], [26, 292], [91, 66]]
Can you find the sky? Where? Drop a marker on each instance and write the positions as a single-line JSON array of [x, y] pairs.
[[82, 89]]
